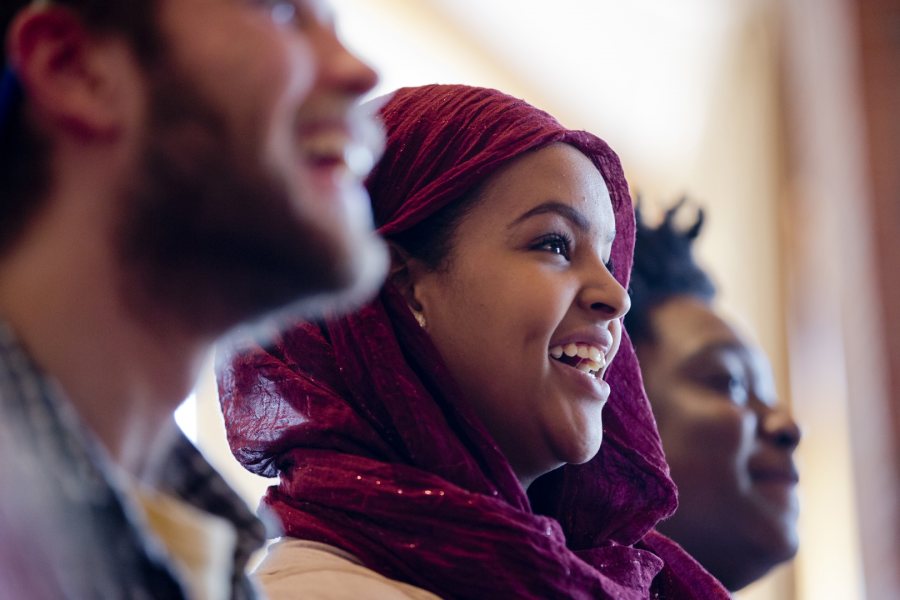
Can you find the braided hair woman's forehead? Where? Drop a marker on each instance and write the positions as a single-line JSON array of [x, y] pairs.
[[664, 266]]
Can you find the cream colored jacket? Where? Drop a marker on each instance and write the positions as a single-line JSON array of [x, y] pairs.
[[300, 569]]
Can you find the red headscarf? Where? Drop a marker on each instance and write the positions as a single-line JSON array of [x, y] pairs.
[[360, 419]]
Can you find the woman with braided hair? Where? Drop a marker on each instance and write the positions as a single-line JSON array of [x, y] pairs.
[[728, 441]]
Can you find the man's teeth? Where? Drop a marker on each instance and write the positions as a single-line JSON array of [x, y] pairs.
[[591, 358], [326, 144], [338, 148]]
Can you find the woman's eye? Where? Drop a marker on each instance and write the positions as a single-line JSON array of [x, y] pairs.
[[727, 384], [555, 244]]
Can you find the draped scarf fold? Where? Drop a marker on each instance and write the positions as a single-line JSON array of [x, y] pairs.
[[360, 418]]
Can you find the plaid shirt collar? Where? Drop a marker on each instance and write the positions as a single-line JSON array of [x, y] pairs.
[[94, 541]]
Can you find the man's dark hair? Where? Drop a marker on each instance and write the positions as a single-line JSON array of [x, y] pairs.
[[664, 267], [24, 153]]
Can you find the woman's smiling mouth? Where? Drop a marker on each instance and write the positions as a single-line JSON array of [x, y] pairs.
[[588, 359]]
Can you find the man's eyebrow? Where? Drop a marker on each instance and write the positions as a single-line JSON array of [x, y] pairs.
[[565, 211]]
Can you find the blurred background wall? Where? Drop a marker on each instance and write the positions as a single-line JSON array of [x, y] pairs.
[[783, 119]]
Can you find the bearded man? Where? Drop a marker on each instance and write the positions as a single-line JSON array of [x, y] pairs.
[[169, 169]]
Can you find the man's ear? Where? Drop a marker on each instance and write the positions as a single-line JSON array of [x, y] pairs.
[[67, 73], [405, 274]]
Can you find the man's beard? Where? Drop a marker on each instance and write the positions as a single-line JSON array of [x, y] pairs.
[[208, 237]]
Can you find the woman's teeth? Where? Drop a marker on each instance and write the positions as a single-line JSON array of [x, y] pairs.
[[588, 359]]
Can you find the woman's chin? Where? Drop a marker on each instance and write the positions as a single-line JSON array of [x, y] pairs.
[[580, 448]]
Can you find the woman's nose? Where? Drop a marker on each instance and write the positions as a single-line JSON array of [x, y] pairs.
[[603, 295], [778, 425]]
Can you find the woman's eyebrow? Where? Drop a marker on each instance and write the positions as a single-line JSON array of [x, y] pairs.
[[578, 220], [714, 350]]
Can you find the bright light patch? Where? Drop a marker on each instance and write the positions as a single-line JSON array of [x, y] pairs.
[[186, 417]]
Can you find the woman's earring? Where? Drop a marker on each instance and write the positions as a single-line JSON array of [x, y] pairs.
[[420, 318]]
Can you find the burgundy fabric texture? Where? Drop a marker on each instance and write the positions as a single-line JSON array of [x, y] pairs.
[[682, 576], [361, 421]]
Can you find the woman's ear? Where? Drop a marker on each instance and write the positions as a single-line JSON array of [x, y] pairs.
[[405, 275]]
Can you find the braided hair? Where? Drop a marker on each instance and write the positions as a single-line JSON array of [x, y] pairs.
[[664, 267]]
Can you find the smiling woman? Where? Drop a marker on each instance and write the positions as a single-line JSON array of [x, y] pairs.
[[524, 283], [406, 434]]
